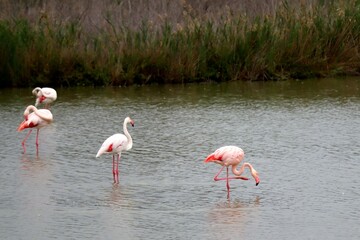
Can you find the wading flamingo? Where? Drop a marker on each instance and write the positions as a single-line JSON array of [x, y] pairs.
[[231, 156], [116, 144], [38, 118], [44, 95]]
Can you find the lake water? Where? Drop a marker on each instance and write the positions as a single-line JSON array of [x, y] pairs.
[[303, 137]]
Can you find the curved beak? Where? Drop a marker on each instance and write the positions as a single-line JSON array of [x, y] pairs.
[[257, 181]]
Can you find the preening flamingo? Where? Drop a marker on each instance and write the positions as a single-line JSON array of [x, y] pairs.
[[231, 156], [44, 95], [38, 118], [116, 144]]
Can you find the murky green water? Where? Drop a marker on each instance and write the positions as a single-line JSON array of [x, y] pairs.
[[302, 137]]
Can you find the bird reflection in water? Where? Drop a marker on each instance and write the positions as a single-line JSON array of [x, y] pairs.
[[35, 168], [234, 212], [115, 195], [32, 164]]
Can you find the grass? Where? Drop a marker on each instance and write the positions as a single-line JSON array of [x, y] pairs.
[[281, 41]]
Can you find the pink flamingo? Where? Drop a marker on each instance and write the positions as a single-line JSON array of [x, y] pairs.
[[44, 95], [116, 144], [231, 156], [38, 118]]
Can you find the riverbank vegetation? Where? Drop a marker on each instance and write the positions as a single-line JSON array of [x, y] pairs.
[[119, 43]]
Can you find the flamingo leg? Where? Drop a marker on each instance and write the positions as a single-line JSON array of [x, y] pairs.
[[37, 141], [114, 168], [227, 178], [216, 178], [117, 168], [227, 182], [26, 137]]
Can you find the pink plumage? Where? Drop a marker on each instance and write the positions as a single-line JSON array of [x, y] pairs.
[[44, 96], [38, 118], [231, 156], [115, 145]]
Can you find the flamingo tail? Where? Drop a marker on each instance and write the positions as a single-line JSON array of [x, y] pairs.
[[22, 126], [101, 151], [211, 158]]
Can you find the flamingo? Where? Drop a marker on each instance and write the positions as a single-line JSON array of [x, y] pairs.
[[116, 144], [44, 95], [38, 118], [231, 156]]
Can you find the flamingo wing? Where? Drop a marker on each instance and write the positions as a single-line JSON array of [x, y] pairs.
[[44, 95], [49, 93], [113, 144], [44, 115], [32, 121], [226, 153], [37, 119], [218, 155]]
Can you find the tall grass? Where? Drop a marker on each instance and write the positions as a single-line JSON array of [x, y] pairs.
[[283, 40]]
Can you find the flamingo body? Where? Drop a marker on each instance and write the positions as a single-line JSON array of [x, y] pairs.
[[115, 145], [44, 96], [228, 155], [37, 119], [231, 156]]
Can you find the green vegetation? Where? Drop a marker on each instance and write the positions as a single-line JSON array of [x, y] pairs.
[[297, 41]]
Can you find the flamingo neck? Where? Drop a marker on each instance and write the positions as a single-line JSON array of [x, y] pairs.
[[47, 117], [36, 91], [28, 109], [127, 134], [241, 170]]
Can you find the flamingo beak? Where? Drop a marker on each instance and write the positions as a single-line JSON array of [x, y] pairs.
[[257, 180], [132, 123]]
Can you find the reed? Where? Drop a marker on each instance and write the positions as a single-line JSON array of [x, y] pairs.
[[281, 40]]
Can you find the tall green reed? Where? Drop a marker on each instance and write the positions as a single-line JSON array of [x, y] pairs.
[[306, 41]]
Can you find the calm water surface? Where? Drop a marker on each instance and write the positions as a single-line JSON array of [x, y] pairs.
[[302, 137]]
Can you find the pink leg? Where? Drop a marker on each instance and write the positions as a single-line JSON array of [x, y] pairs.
[[216, 178], [114, 168], [26, 137], [227, 178], [227, 182], [37, 141], [117, 168]]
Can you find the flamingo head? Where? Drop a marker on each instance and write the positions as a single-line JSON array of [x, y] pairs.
[[255, 175], [36, 91], [129, 120]]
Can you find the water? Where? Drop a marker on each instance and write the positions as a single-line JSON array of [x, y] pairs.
[[302, 137]]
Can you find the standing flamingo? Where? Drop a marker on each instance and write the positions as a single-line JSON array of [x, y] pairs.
[[44, 95], [231, 156], [38, 118], [115, 144]]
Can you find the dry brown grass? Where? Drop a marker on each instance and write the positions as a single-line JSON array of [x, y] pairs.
[[138, 42], [97, 15]]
